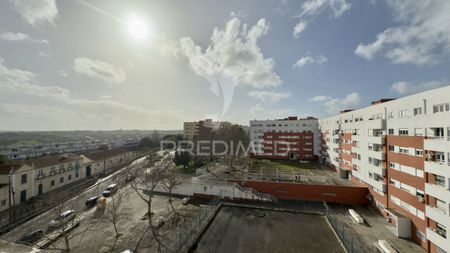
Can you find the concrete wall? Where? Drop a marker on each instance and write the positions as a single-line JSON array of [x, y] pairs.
[[294, 191]]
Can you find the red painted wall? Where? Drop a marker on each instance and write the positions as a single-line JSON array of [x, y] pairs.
[[351, 195]]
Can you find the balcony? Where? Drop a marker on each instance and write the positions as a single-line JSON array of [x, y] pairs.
[[437, 239], [378, 169], [438, 215], [437, 191], [376, 154], [438, 168], [380, 185], [374, 124], [436, 144], [376, 139]]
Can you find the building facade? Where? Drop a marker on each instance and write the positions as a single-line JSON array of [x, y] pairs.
[[103, 161], [198, 130], [290, 138], [400, 150]]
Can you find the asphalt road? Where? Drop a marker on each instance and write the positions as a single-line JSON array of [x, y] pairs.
[[77, 203]]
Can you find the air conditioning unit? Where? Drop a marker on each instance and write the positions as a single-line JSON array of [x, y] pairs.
[[421, 200]]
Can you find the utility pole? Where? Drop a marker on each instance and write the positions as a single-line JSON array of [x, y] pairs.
[[10, 190]]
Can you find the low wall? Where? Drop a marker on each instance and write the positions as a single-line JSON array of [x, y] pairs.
[[350, 195]]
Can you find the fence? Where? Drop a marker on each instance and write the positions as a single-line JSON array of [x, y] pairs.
[[347, 236], [184, 239]]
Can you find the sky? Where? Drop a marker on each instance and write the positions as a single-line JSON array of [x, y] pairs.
[[102, 65]]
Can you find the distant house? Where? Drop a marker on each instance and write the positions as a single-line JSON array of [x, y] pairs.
[[51, 172], [103, 161], [22, 184]]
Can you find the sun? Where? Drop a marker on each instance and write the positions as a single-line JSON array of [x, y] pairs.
[[137, 27]]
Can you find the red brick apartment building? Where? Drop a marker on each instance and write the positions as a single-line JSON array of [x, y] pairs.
[[400, 150], [290, 138]]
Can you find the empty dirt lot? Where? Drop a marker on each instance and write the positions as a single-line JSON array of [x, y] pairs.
[[240, 229]]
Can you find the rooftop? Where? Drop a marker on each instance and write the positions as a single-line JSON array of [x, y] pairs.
[[245, 229], [100, 155]]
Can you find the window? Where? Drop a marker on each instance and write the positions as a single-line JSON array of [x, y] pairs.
[[69, 177], [3, 202], [419, 152], [440, 180], [391, 148], [403, 131], [61, 179], [23, 179], [417, 111], [391, 131], [76, 174], [440, 205], [403, 150], [390, 115], [52, 183], [441, 108], [403, 114], [418, 131], [441, 230]]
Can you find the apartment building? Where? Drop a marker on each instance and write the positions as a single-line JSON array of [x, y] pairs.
[[400, 150], [290, 138], [197, 130]]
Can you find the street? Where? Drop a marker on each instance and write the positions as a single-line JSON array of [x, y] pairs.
[[77, 203]]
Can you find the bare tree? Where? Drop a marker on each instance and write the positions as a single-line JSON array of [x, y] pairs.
[[147, 179], [114, 210], [171, 181], [66, 225]]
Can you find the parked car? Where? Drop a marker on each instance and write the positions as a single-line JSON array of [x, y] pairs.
[[110, 190], [185, 201], [31, 237], [91, 202], [63, 218]]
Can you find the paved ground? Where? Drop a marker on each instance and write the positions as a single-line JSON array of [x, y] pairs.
[[238, 229], [376, 228]]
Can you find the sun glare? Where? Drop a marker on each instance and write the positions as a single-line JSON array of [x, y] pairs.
[[137, 27]]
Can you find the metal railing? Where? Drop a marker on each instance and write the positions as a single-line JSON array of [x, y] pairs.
[[184, 239], [346, 235]]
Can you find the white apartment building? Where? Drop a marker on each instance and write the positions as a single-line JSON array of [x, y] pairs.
[[400, 149], [302, 134]]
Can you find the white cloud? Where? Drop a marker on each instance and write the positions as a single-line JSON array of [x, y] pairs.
[[312, 8], [320, 98], [261, 112], [334, 105], [405, 88], [35, 11], [25, 82], [269, 97], [321, 59], [422, 36], [9, 36], [100, 113], [233, 53], [98, 69], [299, 28], [310, 60], [303, 61]]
